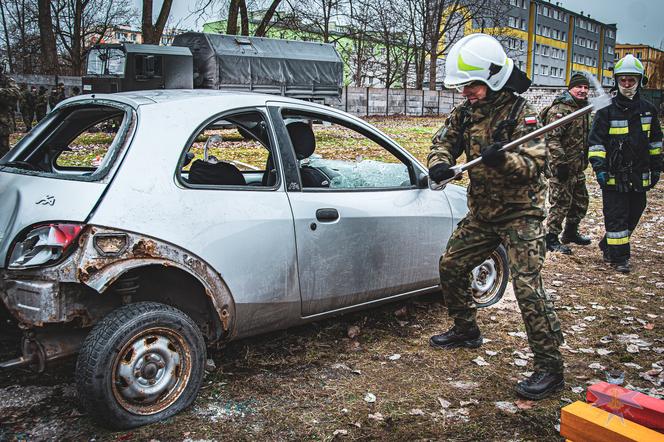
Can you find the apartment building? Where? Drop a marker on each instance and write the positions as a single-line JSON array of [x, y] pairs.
[[550, 42]]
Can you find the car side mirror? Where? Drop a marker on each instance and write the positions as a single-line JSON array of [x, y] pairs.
[[422, 180]]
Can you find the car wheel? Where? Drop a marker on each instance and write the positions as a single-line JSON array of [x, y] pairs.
[[490, 278], [142, 363]]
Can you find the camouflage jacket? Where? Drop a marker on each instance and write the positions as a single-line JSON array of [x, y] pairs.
[[567, 144], [27, 101], [41, 102], [9, 95], [514, 189]]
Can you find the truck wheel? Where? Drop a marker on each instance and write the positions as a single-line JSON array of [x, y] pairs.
[[490, 278], [142, 363]]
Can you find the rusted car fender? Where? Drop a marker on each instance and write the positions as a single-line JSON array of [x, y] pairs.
[[98, 268]]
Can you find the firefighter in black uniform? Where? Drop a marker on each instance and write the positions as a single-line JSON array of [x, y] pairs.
[[626, 154]]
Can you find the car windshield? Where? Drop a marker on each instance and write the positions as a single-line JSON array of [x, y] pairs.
[[106, 61]]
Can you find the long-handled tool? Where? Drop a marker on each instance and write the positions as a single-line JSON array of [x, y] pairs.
[[601, 101]]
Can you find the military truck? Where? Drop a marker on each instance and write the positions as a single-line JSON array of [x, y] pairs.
[[297, 69]]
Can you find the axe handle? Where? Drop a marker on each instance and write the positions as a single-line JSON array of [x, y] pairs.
[[459, 169], [534, 134]]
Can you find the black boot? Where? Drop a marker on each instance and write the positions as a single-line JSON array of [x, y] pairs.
[[540, 385], [553, 245], [622, 267], [454, 337], [571, 234]]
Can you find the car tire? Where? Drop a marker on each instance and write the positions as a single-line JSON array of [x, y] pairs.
[[489, 279], [142, 363]]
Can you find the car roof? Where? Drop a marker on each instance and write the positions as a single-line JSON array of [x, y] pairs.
[[161, 96]]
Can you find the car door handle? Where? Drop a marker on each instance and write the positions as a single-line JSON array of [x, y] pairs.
[[327, 215]]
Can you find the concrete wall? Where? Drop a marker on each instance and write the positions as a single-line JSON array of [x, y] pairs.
[[48, 81], [418, 102]]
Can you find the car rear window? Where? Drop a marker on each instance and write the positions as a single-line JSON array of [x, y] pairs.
[[80, 141]]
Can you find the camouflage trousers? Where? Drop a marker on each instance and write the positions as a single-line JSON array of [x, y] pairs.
[[471, 243], [4, 142], [567, 200]]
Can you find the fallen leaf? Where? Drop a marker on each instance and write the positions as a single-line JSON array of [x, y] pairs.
[[577, 390], [649, 326], [376, 416], [520, 362], [596, 366], [370, 397], [523, 404], [480, 361], [394, 357], [632, 365], [416, 412], [353, 331], [469, 402], [402, 312], [603, 352], [507, 407], [632, 348], [491, 352], [340, 433], [443, 403]]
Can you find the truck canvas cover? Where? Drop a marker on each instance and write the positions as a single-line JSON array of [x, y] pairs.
[[286, 67]]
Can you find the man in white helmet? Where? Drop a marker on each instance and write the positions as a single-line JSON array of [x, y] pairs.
[[626, 155], [506, 202]]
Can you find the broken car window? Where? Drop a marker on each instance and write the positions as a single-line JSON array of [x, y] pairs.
[[76, 141]]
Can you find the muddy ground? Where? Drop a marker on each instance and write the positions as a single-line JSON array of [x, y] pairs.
[[314, 382]]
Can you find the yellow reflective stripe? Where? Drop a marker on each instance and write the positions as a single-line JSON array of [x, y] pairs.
[[611, 181], [656, 151], [645, 127], [597, 153], [645, 183], [617, 241], [618, 130]]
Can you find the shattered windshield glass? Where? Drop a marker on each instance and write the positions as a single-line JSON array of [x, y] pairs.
[[106, 61], [361, 174]]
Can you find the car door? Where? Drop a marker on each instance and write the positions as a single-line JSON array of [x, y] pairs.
[[364, 230]]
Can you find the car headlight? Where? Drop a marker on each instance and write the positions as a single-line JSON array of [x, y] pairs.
[[44, 245]]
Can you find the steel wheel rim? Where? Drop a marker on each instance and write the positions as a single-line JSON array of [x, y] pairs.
[[151, 371], [487, 278]]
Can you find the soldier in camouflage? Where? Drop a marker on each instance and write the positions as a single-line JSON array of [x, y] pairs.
[[9, 95], [41, 105], [27, 103], [506, 202], [568, 150]]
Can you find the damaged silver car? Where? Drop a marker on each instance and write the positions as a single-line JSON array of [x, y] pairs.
[[138, 229]]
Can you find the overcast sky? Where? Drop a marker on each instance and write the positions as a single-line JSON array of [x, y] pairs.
[[639, 21]]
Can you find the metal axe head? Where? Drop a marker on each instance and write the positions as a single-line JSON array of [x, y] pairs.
[[602, 99]]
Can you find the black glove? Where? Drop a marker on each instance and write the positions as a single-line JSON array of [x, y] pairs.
[[562, 172], [441, 172], [654, 178], [492, 156], [602, 179]]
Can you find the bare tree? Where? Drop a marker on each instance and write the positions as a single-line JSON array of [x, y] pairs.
[[152, 32], [358, 50], [392, 36], [21, 35], [81, 23], [319, 17], [232, 10], [49, 52]]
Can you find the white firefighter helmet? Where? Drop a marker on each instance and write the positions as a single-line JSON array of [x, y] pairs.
[[478, 57], [629, 65]]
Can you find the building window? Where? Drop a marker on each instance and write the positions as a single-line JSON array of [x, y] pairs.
[[638, 55]]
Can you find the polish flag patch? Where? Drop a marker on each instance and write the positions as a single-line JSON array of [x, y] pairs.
[[530, 120]]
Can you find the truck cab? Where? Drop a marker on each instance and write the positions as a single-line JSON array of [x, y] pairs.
[[130, 67]]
